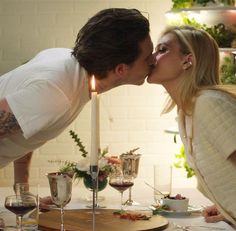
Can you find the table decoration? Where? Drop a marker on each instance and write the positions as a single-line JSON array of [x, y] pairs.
[[81, 169]]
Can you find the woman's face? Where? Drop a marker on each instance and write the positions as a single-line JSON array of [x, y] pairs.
[[169, 61]]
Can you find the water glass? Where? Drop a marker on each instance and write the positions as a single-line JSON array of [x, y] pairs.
[[162, 181]]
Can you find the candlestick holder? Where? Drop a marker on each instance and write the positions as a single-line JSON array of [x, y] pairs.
[[94, 175]]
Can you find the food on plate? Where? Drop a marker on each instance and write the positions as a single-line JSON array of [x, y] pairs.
[[176, 203], [132, 215], [176, 197]]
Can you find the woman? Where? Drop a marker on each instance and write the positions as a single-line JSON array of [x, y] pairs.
[[187, 65]]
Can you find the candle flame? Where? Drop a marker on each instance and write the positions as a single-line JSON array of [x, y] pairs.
[[93, 84]]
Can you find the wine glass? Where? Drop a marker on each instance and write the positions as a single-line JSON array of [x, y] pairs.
[[20, 205], [130, 166], [31, 219], [120, 182], [61, 190]]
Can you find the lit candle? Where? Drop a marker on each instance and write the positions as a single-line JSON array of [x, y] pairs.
[[94, 125]]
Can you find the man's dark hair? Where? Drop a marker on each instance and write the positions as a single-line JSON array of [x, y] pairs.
[[109, 38]]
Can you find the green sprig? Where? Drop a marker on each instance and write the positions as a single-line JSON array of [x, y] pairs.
[[79, 143], [131, 152]]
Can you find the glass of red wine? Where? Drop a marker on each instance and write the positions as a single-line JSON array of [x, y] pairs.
[[20, 205], [121, 183]]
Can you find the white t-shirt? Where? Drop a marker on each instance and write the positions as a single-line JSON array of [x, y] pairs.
[[209, 137], [46, 94]]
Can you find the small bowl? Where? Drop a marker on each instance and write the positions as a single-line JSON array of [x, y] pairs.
[[178, 205]]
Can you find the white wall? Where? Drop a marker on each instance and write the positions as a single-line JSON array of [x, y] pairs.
[[130, 115]]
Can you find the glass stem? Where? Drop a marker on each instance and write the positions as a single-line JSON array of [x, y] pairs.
[[19, 222], [130, 195], [62, 219], [96, 193], [121, 201]]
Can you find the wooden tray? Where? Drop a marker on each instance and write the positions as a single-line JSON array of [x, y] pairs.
[[81, 220]]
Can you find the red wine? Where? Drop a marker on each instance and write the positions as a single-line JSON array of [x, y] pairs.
[[20, 209], [121, 187]]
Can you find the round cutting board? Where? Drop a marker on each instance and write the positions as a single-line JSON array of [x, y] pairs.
[[105, 221]]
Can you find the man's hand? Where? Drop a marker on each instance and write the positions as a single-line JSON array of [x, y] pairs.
[[211, 214], [45, 203]]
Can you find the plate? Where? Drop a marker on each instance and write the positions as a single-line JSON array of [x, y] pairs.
[[191, 209], [174, 213]]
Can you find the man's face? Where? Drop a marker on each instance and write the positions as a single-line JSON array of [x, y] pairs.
[[140, 69]]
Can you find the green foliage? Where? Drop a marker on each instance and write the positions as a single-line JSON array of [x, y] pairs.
[[68, 168], [228, 71], [181, 4], [182, 163], [177, 4], [78, 143], [203, 2], [103, 152], [131, 152], [223, 35]]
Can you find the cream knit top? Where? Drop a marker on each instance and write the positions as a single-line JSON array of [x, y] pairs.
[[209, 137]]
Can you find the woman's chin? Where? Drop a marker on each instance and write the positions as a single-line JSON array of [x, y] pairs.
[[149, 79]]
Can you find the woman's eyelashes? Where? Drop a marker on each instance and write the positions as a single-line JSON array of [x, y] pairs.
[[161, 49]]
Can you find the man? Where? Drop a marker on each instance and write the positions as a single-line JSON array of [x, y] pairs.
[[39, 99]]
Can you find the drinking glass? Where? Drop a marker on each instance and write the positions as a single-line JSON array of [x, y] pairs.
[[120, 182], [30, 220], [162, 181], [61, 190], [130, 166], [20, 205]]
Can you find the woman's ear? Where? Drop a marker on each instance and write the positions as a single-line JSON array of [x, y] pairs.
[[187, 63]]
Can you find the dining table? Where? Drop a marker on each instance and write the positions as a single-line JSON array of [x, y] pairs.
[[109, 200]]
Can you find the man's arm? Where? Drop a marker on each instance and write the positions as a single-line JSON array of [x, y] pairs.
[[8, 122], [22, 169]]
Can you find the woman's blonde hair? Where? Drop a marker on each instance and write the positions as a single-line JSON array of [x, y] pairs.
[[204, 72]]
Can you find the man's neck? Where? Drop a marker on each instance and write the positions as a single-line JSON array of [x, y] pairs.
[[111, 81]]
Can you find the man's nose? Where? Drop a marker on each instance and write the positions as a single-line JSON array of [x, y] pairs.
[[153, 60]]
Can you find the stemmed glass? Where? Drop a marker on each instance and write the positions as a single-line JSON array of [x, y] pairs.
[[120, 182], [20, 205], [130, 166], [61, 190]]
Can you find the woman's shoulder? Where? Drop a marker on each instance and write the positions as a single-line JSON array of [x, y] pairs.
[[212, 99], [214, 96]]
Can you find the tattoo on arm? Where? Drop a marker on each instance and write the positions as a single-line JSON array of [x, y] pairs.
[[8, 124]]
